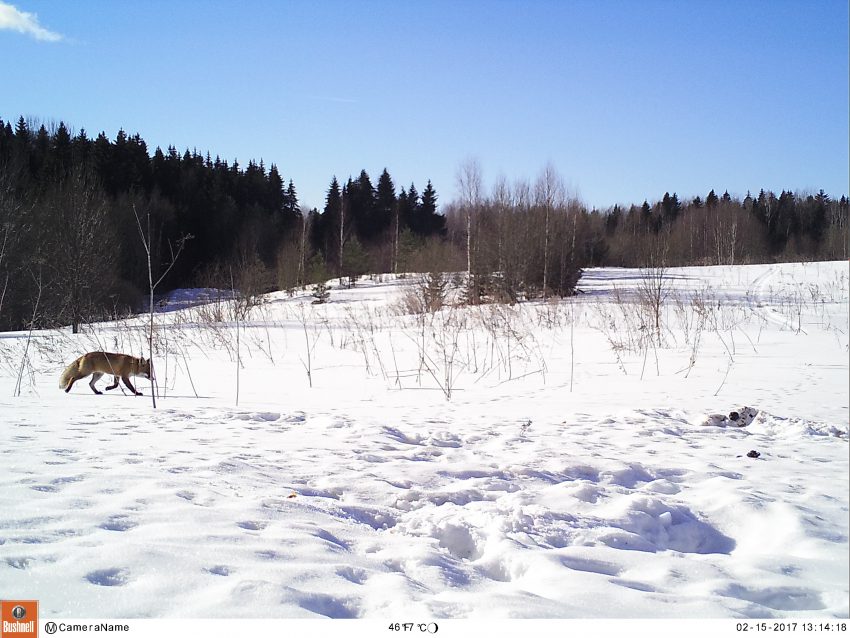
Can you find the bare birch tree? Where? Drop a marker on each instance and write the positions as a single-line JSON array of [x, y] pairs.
[[341, 232], [78, 211], [549, 194], [469, 187], [302, 248], [146, 243]]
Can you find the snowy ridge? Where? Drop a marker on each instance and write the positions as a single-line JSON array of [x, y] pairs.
[[789, 427], [371, 494]]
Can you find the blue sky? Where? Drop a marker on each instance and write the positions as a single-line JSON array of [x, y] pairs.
[[626, 99]]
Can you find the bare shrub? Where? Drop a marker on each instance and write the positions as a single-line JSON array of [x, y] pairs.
[[240, 287], [428, 295], [654, 287]]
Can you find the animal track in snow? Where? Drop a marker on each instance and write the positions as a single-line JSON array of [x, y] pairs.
[[113, 577], [353, 574], [780, 598], [401, 437], [374, 518], [590, 565], [43, 488], [19, 562], [118, 523], [333, 540], [632, 584], [330, 606], [459, 541]]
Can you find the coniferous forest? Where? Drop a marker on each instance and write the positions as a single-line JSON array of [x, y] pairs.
[[73, 211]]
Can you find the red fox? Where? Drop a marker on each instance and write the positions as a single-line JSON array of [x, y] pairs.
[[120, 366]]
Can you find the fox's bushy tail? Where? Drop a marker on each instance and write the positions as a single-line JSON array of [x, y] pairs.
[[68, 374]]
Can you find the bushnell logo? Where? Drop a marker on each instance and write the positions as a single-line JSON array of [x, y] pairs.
[[19, 618]]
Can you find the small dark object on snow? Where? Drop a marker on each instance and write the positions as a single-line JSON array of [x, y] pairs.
[[753, 454], [734, 416]]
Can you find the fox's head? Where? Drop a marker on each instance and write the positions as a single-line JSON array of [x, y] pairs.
[[145, 368]]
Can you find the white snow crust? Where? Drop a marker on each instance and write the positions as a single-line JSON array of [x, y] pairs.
[[547, 460]]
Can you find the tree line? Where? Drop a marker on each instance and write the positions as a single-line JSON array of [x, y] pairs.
[[757, 228], [531, 238], [70, 206], [70, 211]]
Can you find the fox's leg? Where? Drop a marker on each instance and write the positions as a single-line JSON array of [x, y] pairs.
[[114, 383], [95, 377], [70, 383], [130, 387]]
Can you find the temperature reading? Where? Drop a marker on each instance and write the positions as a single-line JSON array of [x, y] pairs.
[[419, 627]]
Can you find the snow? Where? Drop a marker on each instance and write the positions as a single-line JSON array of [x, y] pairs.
[[548, 460]]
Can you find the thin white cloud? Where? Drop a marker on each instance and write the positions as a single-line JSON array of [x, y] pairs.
[[13, 19]]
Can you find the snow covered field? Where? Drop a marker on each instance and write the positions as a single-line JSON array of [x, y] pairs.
[[544, 460]]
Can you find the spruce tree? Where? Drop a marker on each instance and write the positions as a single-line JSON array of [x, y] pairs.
[[61, 156], [816, 217], [291, 206], [7, 139], [355, 262], [332, 227], [40, 152], [432, 222], [670, 208], [361, 207], [385, 203], [646, 216], [81, 148], [275, 199], [410, 209]]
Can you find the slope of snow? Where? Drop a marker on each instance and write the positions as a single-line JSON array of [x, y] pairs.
[[544, 460]]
